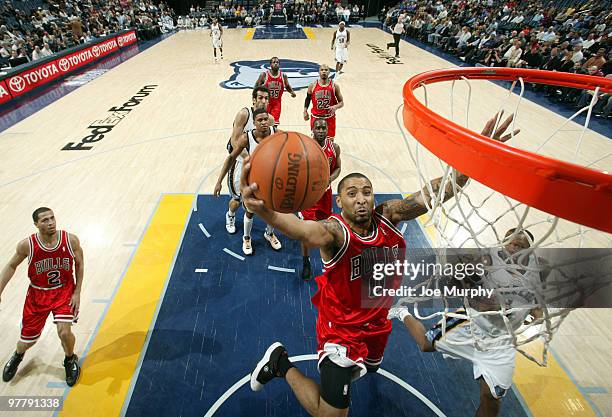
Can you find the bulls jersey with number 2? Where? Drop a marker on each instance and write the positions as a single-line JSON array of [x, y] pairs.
[[51, 268]]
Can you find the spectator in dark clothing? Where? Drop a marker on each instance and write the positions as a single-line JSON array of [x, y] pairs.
[[532, 58]]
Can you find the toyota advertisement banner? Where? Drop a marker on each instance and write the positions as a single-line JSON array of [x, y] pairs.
[[32, 78], [126, 39]]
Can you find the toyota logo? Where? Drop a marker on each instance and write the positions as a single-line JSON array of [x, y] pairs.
[[64, 64], [17, 83], [120, 40], [96, 51]]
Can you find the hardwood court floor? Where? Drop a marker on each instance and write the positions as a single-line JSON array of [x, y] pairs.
[[173, 141]]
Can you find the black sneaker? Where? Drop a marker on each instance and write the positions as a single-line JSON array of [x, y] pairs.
[[73, 370], [267, 367], [306, 271], [10, 369]]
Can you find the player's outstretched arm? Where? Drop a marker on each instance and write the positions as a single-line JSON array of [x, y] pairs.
[[414, 205], [313, 234], [9, 270]]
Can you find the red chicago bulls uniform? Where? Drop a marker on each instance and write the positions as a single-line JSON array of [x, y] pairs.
[[323, 97], [352, 328], [51, 273], [276, 86], [322, 209]]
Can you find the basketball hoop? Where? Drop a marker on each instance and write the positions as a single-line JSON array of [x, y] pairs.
[[535, 180], [563, 203]]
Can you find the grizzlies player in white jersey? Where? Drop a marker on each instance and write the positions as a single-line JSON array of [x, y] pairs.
[[493, 366], [216, 33], [341, 41], [243, 122], [247, 142]]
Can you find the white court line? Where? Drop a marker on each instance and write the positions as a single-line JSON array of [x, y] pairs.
[[203, 229], [404, 226], [315, 357], [201, 270], [235, 255], [278, 268]]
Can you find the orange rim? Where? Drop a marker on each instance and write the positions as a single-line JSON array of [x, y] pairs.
[[566, 190]]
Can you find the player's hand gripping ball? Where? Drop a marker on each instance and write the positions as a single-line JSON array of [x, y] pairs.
[[291, 171]]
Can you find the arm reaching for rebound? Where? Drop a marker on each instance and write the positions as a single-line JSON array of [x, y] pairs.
[[415, 204]]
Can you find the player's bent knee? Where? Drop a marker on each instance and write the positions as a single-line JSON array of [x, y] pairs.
[[335, 384], [64, 331]]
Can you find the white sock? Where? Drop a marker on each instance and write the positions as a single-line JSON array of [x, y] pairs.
[[231, 213], [248, 225], [269, 229]]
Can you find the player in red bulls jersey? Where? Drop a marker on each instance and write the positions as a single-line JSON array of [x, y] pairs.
[[326, 99], [322, 209], [276, 82], [352, 325], [55, 259]]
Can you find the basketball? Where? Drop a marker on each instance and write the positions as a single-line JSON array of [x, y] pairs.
[[291, 170]]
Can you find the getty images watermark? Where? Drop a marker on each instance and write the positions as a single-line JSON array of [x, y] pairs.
[[412, 270]]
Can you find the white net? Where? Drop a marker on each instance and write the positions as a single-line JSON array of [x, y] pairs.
[[480, 217]]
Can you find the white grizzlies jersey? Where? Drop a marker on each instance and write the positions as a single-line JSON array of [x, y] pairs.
[[515, 287], [253, 142], [216, 31], [341, 38]]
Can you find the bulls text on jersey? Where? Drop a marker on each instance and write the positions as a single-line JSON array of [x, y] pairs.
[[362, 265]]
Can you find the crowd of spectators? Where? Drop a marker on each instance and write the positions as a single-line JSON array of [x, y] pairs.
[[252, 13], [526, 34], [34, 29]]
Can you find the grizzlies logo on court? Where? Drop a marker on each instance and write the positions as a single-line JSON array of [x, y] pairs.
[[299, 73]]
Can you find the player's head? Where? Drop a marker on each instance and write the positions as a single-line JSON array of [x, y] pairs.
[[261, 96], [215, 20], [274, 63], [356, 198], [522, 240], [261, 119], [324, 72], [341, 25], [44, 220], [319, 131]]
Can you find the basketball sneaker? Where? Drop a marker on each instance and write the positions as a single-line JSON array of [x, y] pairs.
[[230, 223], [273, 241], [398, 312], [267, 368], [247, 249], [10, 369], [73, 370]]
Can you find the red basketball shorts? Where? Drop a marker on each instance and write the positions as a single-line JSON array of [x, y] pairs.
[[38, 305], [348, 346], [331, 125], [321, 210], [275, 110]]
